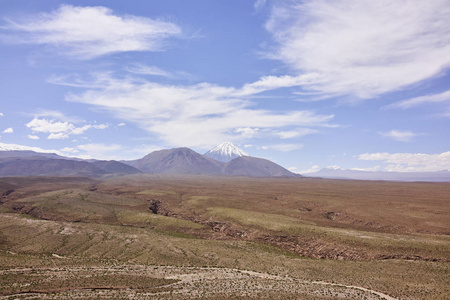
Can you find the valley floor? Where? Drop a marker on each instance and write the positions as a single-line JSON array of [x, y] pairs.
[[145, 236]]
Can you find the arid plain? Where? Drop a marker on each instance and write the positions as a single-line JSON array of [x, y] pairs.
[[151, 236]]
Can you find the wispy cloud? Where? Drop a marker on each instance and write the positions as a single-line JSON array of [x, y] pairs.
[[108, 151], [410, 162], [361, 48], [296, 133], [416, 101], [57, 115], [89, 32], [142, 69], [147, 70], [200, 115], [259, 4], [284, 147], [399, 135]]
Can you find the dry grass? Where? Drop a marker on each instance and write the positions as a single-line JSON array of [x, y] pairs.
[[57, 226]]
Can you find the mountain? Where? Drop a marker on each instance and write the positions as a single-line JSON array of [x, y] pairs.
[[115, 167], [339, 173], [177, 161], [31, 163], [36, 166], [255, 167], [27, 153], [17, 161], [225, 152], [187, 161]]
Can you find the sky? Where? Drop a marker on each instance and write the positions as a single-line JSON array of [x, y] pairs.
[[358, 84]]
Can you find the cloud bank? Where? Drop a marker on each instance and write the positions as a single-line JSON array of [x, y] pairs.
[[411, 162], [201, 115]]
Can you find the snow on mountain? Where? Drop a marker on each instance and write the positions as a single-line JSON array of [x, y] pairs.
[[225, 152], [13, 147]]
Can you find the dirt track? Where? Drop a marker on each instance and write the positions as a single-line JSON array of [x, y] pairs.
[[191, 282]]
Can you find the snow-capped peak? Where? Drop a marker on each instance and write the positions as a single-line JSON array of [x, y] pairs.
[[14, 147], [334, 168], [225, 152]]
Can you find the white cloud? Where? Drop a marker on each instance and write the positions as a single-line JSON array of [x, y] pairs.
[[108, 151], [398, 135], [95, 151], [284, 147], [445, 114], [1, 114], [58, 136], [369, 169], [121, 124], [58, 129], [267, 83], [100, 150], [296, 133], [8, 130], [49, 126], [142, 69], [201, 115], [411, 162], [361, 48], [88, 32], [247, 132], [33, 137], [147, 70], [313, 169], [259, 4], [434, 98], [57, 115]]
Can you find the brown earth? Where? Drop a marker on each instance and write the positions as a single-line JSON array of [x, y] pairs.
[[272, 226]]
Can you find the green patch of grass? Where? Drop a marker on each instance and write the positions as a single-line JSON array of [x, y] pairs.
[[261, 220], [5, 209], [137, 218]]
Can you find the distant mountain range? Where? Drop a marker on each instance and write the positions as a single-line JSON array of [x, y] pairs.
[[16, 163], [187, 161], [338, 173], [231, 161], [223, 160]]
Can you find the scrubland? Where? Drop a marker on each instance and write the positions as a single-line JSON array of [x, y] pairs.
[[149, 236]]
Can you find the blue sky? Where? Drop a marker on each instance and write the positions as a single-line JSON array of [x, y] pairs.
[[307, 84]]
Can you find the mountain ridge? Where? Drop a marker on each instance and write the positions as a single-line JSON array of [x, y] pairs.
[[339, 173], [26, 162]]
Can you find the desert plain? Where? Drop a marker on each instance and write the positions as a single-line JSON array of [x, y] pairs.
[[182, 237]]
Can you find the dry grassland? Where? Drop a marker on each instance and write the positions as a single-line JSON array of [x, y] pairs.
[[147, 236]]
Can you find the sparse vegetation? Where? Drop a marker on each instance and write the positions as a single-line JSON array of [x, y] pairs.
[[223, 238]]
